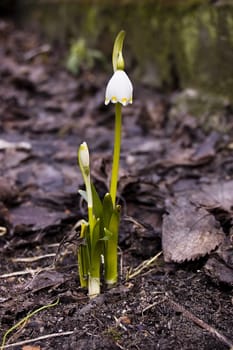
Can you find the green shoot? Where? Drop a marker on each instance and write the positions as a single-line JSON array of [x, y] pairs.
[[89, 254]]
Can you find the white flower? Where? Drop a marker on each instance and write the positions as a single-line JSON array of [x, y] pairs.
[[119, 89]]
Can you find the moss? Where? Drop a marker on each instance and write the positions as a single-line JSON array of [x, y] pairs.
[[113, 333]]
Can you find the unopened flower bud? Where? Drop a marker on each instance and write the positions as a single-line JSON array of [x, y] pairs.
[[84, 158]]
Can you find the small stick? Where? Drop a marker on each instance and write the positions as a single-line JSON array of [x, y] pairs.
[[25, 272], [152, 305], [33, 258], [145, 264], [190, 316], [43, 337]]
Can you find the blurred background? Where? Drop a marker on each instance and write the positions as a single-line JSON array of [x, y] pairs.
[[172, 45]]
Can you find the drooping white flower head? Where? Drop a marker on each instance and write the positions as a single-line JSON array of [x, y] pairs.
[[119, 89]]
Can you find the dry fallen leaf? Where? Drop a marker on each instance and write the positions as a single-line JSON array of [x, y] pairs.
[[45, 279], [219, 271], [189, 231], [35, 217], [31, 347], [217, 195]]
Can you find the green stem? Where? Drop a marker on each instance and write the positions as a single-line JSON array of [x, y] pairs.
[[89, 204], [91, 221], [83, 257], [116, 153], [110, 256], [111, 270]]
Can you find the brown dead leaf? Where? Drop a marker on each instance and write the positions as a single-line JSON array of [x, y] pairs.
[[153, 112], [35, 217], [12, 158], [225, 251], [31, 347], [44, 280], [179, 155], [207, 149], [216, 196], [219, 271], [8, 191], [188, 232]]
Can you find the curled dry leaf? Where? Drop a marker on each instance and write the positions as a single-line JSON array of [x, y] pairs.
[[189, 231]]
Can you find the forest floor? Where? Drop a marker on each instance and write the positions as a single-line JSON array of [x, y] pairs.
[[175, 189]]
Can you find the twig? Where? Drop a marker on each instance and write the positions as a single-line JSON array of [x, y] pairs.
[[43, 337], [24, 272], [120, 346], [145, 264], [154, 304], [52, 245], [33, 258], [190, 316]]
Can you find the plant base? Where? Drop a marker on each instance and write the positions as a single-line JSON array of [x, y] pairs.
[[93, 286]]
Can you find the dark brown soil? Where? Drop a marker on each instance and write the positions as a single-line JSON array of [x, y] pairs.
[[45, 113]]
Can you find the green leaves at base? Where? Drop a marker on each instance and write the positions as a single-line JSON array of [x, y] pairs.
[[102, 240]]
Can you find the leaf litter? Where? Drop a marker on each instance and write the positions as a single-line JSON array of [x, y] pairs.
[[175, 191]]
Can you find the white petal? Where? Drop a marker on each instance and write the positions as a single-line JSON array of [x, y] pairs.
[[119, 89]]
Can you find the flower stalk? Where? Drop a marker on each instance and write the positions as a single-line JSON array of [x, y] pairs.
[[119, 91], [116, 152]]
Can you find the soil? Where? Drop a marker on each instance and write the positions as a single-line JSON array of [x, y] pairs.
[[175, 285]]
